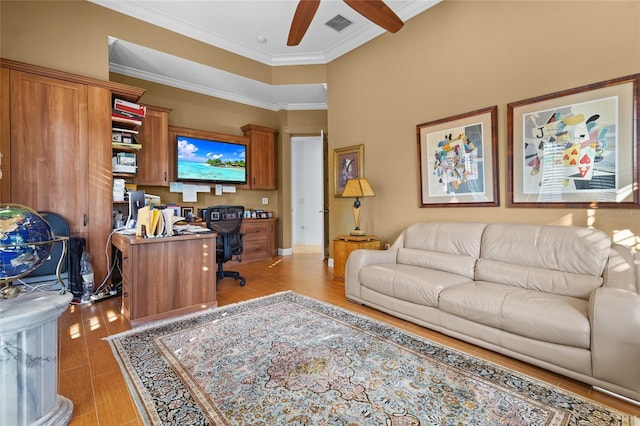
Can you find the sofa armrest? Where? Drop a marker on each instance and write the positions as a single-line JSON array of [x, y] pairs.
[[615, 336], [361, 258]]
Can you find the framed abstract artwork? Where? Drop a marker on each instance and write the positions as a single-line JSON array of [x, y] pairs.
[[458, 160], [348, 163], [575, 148]]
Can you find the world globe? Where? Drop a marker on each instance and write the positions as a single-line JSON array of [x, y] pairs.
[[26, 241]]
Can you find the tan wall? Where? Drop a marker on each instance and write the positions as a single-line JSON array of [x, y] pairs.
[[207, 113], [457, 57], [293, 123], [72, 36]]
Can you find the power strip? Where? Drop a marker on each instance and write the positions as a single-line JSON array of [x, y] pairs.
[[99, 297]]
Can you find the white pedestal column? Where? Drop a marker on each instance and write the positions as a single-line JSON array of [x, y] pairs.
[[29, 360]]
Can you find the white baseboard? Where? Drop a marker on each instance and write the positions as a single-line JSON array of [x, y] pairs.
[[285, 252]]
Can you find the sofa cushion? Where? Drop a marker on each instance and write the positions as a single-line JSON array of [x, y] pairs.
[[456, 264], [521, 252], [452, 238], [561, 248], [528, 313], [410, 283], [549, 281]]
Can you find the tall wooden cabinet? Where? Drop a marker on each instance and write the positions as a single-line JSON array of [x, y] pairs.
[[262, 153], [154, 160], [56, 146]]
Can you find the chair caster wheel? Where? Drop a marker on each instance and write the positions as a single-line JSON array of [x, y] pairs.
[[242, 282]]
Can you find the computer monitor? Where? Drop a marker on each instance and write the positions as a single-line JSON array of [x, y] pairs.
[[136, 202]]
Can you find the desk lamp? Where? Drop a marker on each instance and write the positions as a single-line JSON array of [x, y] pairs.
[[357, 188]]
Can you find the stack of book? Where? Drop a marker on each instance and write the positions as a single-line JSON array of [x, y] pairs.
[[118, 190], [128, 112]]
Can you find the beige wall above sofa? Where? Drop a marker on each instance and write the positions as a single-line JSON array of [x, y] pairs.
[[458, 57]]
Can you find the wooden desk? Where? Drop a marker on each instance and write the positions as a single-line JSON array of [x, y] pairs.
[[163, 277], [343, 245]]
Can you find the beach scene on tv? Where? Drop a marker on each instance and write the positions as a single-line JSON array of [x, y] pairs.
[[205, 160]]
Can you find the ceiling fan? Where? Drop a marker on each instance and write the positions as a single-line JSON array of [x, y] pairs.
[[374, 10]]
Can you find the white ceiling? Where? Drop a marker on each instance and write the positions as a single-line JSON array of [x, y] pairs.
[[256, 29]]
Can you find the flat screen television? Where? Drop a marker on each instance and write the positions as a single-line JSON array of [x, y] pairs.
[[210, 161]]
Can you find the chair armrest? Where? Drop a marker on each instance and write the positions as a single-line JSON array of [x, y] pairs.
[[615, 336], [361, 258]]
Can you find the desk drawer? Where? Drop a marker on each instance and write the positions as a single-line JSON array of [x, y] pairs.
[[256, 231], [256, 250]]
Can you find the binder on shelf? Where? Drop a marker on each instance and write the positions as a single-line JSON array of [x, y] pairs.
[[126, 120], [123, 130], [126, 145], [125, 117]]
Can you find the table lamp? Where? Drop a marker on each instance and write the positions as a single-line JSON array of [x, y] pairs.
[[357, 188]]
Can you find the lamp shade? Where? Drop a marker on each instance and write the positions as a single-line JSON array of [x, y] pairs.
[[358, 188]]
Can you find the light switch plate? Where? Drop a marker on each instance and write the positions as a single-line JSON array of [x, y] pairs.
[[265, 200]]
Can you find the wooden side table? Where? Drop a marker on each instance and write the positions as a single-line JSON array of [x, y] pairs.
[[343, 245]]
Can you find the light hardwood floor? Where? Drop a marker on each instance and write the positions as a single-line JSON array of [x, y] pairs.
[[89, 374]]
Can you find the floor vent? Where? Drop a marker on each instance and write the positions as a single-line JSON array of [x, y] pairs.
[[338, 23]]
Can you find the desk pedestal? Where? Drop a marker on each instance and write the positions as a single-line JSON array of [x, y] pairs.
[[164, 277]]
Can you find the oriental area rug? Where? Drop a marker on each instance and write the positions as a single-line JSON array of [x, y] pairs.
[[287, 359]]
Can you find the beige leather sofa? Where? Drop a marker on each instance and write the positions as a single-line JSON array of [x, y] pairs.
[[562, 298]]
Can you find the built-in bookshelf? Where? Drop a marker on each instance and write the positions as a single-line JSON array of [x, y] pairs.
[[126, 118]]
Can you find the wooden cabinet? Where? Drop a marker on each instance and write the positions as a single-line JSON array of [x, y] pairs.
[[260, 239], [154, 164], [56, 146], [53, 167], [164, 277], [343, 245], [262, 156]]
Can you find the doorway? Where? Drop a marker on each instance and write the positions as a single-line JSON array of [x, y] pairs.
[[308, 195]]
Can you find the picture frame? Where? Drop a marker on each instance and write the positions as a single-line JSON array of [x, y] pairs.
[[348, 163], [458, 160], [575, 148], [185, 211]]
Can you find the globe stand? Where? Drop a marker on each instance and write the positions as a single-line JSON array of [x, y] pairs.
[[9, 291], [29, 324]]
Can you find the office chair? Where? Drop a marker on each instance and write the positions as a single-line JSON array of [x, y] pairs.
[[226, 221]]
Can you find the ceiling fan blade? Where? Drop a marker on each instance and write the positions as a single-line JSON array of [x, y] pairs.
[[301, 19], [378, 13]]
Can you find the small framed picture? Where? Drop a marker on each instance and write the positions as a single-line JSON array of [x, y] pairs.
[[348, 163], [186, 212]]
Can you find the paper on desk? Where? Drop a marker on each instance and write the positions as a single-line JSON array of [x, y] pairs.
[[189, 194], [167, 214]]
